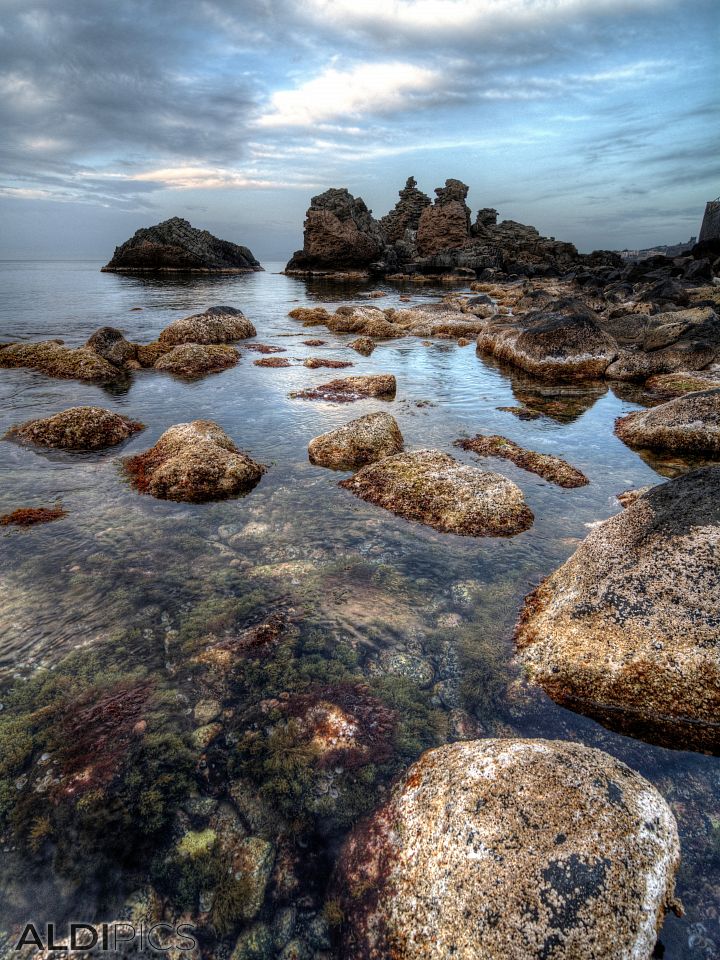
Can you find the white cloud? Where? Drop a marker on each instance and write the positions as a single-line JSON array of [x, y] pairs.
[[208, 178], [460, 16], [334, 94]]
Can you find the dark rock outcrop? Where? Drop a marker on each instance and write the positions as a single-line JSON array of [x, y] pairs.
[[339, 231], [626, 630], [510, 850], [175, 245]]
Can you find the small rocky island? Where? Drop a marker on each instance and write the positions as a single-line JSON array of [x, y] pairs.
[[419, 237], [175, 245]]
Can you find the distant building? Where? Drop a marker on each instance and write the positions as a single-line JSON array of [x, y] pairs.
[[710, 229], [674, 250]]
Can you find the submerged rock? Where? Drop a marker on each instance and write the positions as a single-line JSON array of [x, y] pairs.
[[314, 363], [563, 341], [510, 850], [197, 359], [626, 630], [176, 245], [361, 441], [689, 423], [56, 360], [216, 325], [29, 516], [363, 345], [545, 465], [78, 428], [272, 362], [194, 462], [347, 389], [434, 488], [670, 385]]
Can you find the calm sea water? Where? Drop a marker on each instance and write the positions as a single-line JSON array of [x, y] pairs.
[[123, 564]]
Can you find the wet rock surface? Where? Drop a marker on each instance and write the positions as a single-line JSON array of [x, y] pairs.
[[54, 359], [434, 488], [175, 245], [197, 359], [194, 462], [689, 423], [626, 629], [78, 428], [545, 465], [215, 325], [357, 443], [510, 849], [347, 389]]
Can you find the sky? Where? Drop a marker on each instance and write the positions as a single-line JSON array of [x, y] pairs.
[[595, 120]]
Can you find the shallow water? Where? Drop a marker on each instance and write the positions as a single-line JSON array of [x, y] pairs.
[[131, 572]]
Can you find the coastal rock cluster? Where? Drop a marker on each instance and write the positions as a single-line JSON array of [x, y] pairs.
[[174, 245], [421, 237]]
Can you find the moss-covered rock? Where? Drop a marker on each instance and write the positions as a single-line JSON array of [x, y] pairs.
[[545, 465], [690, 423], [216, 325], [436, 489], [347, 389], [78, 428], [54, 359], [357, 443], [197, 359], [194, 462]]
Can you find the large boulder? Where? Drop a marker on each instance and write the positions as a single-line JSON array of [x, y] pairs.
[[54, 359], [197, 359], [626, 630], [510, 850], [194, 462], [216, 325], [562, 341], [434, 488], [110, 343], [176, 245], [78, 428], [339, 231], [688, 424], [357, 443]]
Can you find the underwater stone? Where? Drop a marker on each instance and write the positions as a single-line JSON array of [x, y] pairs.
[[507, 850]]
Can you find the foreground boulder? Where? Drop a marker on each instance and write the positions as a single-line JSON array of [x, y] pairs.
[[434, 488], [357, 443], [626, 631], [216, 325], [78, 428], [176, 245], [197, 359], [110, 343], [510, 850], [545, 465], [194, 462], [689, 424], [54, 359], [562, 341], [347, 389]]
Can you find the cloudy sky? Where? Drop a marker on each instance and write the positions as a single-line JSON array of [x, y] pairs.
[[595, 120]]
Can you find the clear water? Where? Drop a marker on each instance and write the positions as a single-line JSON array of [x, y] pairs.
[[128, 572]]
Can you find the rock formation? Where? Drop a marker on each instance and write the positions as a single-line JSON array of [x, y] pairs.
[[54, 359], [216, 325], [175, 245], [434, 488], [626, 630], [688, 424], [78, 428], [419, 237], [510, 850], [197, 359], [357, 443], [194, 462]]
